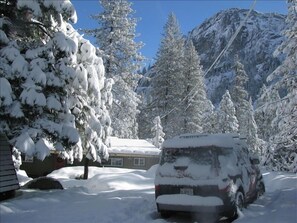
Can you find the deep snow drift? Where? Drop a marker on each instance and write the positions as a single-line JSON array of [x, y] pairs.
[[124, 195]]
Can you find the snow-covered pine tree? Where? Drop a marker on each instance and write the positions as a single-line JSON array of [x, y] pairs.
[[116, 38], [45, 89], [158, 132], [265, 112], [285, 141], [124, 110], [90, 100], [210, 123], [243, 107], [240, 97], [167, 84], [146, 115], [227, 121], [196, 102], [34, 116]]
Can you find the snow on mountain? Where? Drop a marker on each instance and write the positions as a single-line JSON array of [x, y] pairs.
[[254, 45]]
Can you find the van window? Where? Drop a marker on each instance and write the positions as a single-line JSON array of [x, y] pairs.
[[200, 155]]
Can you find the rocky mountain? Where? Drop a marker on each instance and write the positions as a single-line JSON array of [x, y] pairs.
[[254, 46]]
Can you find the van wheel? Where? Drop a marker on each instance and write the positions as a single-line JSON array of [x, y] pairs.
[[239, 200], [239, 205], [260, 189]]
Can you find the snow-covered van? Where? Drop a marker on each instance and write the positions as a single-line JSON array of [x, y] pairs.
[[207, 173]]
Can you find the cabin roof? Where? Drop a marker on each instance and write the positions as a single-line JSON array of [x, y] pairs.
[[132, 146]]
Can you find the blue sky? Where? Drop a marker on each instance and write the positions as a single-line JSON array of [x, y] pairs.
[[153, 14]]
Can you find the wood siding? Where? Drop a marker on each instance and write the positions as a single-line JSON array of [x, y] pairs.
[[8, 177], [38, 168], [128, 161]]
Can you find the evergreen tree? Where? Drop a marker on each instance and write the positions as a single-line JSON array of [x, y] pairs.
[[124, 110], [90, 100], [167, 84], [115, 36], [227, 121], [34, 116], [195, 103], [240, 97], [244, 109], [265, 112], [146, 114], [285, 141], [210, 119], [51, 80]]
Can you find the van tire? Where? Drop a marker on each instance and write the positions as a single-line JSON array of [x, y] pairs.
[[260, 189], [239, 201], [238, 205]]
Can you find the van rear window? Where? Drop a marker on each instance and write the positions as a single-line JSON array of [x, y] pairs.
[[202, 156]]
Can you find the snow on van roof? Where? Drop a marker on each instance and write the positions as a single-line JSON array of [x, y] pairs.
[[200, 140], [132, 146]]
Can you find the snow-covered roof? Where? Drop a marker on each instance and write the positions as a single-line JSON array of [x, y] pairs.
[[200, 140], [132, 146]]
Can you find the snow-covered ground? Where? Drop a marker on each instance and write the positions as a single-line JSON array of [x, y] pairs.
[[122, 195]]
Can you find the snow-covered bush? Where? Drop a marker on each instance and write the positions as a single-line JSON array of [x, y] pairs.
[[157, 132]]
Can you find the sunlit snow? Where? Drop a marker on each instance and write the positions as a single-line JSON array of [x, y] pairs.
[[124, 195]]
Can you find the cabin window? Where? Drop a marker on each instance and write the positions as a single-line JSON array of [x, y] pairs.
[[116, 161], [139, 161]]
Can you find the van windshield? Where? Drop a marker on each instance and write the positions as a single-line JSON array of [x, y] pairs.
[[200, 155]]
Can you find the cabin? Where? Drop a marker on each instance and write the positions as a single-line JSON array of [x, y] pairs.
[[132, 154], [8, 178], [123, 153]]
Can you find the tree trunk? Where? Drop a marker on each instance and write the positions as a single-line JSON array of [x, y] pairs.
[[86, 169]]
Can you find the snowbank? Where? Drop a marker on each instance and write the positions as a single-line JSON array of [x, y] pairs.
[[123, 195], [23, 177], [279, 203]]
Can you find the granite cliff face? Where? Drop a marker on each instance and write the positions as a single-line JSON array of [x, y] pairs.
[[254, 45]]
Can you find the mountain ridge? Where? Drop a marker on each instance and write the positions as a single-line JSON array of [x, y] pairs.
[[254, 47]]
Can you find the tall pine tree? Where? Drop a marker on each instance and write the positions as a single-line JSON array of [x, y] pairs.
[[116, 37], [265, 112], [227, 121], [285, 141], [240, 97], [195, 101], [167, 84], [243, 107]]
